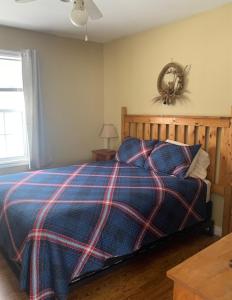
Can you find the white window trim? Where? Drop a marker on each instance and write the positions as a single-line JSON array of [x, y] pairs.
[[14, 163], [9, 54], [9, 162]]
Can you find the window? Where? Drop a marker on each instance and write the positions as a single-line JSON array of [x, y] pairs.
[[13, 141]]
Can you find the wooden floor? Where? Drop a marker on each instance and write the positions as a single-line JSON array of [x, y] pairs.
[[140, 278]]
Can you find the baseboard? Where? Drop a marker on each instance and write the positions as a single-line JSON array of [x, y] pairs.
[[217, 230]]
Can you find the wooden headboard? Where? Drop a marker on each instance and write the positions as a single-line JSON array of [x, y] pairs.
[[213, 133]]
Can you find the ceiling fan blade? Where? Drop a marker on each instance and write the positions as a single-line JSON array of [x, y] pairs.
[[23, 1], [92, 9]]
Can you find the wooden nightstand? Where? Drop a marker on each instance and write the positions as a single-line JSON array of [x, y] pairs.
[[103, 154], [206, 275]]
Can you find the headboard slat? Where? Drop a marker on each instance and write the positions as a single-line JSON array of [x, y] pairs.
[[139, 130], [181, 133], [147, 131], [222, 170], [212, 153], [190, 135], [132, 129], [172, 132], [225, 162], [202, 136], [155, 131], [163, 132], [127, 129]]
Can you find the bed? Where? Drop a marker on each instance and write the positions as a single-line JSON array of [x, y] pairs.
[[59, 224]]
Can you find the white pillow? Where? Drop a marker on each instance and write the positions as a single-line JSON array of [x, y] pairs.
[[199, 165]]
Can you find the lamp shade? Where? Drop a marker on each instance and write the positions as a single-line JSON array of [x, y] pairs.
[[108, 131]]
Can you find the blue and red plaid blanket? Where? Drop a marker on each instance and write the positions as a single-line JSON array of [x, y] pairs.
[[61, 223]]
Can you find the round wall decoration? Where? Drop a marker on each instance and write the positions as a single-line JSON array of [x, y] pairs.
[[171, 83]]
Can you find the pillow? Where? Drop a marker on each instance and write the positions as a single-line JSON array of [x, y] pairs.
[[171, 159], [134, 151], [199, 165]]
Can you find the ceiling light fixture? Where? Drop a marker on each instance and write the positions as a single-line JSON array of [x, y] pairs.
[[81, 12], [79, 15]]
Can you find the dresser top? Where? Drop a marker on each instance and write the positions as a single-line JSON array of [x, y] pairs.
[[208, 273]]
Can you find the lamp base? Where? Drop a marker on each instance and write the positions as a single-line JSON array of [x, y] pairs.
[[107, 143]]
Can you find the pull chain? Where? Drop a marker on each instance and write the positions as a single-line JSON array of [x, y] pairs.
[[86, 33]]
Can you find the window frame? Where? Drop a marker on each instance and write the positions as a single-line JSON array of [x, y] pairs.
[[16, 160]]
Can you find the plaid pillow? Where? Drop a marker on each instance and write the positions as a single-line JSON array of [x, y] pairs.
[[171, 159], [135, 151]]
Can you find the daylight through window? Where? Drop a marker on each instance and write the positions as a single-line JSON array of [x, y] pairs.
[[13, 142]]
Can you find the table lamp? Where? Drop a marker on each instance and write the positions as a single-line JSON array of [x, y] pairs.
[[108, 132]]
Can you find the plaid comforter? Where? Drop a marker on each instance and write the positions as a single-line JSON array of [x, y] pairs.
[[61, 223]]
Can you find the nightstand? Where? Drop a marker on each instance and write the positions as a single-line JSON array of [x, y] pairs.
[[103, 154]]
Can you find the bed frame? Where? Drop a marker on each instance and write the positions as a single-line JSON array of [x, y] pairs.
[[213, 133], [215, 136]]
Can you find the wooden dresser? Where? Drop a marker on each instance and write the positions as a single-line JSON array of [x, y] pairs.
[[206, 275]]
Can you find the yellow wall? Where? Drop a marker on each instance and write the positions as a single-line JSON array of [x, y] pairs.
[[132, 66], [72, 87]]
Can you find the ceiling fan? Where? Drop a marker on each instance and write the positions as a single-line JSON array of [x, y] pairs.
[[80, 13]]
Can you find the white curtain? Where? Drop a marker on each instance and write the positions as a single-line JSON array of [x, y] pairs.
[[39, 153]]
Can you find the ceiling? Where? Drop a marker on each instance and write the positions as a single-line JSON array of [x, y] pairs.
[[121, 17]]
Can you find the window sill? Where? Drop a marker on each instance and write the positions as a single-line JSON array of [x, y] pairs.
[[14, 167], [16, 163]]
